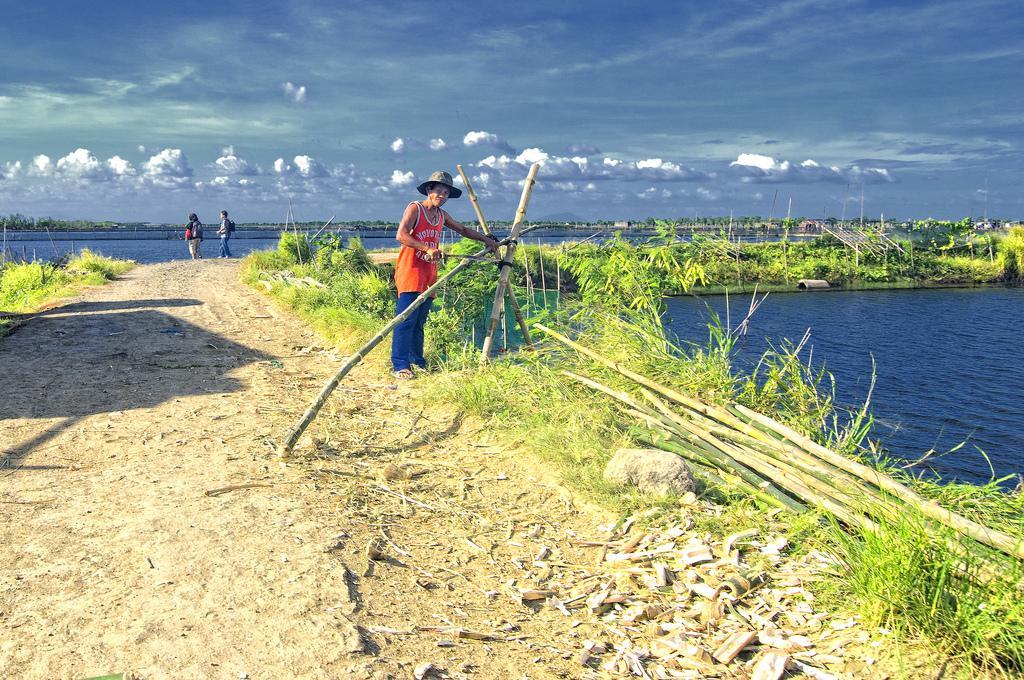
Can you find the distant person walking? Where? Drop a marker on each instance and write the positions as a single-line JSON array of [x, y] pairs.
[[227, 228], [416, 269], [194, 236]]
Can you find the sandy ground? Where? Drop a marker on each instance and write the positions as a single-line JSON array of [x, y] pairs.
[[146, 526]]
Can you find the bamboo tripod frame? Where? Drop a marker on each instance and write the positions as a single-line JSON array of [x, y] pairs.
[[523, 328], [506, 264], [290, 439]]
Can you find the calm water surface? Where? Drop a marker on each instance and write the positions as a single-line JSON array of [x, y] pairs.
[[948, 364], [154, 248]]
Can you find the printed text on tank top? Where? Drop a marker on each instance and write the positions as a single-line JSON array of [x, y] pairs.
[[426, 231]]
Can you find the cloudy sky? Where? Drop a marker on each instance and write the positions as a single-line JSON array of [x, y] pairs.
[[147, 110]]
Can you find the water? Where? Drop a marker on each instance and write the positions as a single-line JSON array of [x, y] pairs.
[[165, 245], [947, 364]]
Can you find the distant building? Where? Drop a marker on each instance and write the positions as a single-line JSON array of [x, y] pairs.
[[623, 224], [809, 227]]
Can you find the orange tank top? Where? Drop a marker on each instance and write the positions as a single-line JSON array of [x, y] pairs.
[[413, 272]]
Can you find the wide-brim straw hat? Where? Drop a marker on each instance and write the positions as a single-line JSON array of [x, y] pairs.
[[441, 177]]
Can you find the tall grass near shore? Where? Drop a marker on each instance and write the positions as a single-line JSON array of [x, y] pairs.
[[24, 286]]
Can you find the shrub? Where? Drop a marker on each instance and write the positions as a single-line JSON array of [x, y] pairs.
[[294, 247], [1011, 254], [107, 268]]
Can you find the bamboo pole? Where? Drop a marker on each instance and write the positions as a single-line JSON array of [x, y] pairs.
[[529, 281], [721, 459], [700, 407], [928, 508], [506, 263], [300, 426], [931, 509], [295, 231], [322, 228], [523, 328], [558, 279], [543, 281]]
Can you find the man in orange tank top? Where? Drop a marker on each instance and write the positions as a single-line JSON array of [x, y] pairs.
[[419, 232]]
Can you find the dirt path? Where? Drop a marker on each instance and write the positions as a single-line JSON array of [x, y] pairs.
[[129, 419]]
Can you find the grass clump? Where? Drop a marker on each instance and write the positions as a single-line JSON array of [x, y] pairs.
[[24, 286], [1011, 254], [353, 300]]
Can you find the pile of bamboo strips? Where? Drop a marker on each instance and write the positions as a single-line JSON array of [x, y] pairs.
[[673, 602], [775, 463]]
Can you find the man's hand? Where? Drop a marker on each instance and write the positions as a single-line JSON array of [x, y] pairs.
[[491, 244], [434, 254]]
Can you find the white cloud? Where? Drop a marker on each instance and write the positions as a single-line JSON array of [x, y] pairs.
[[296, 93], [10, 170], [582, 168], [583, 150], [232, 164], [401, 179], [226, 182], [307, 166], [282, 168], [398, 146], [81, 164], [168, 169], [752, 167], [171, 79], [652, 193], [41, 166], [119, 167], [483, 138], [438, 144], [531, 156]]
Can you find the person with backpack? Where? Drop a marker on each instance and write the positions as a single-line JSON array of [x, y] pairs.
[[227, 228], [194, 236]]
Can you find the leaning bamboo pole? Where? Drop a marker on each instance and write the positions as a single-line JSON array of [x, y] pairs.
[[523, 328], [506, 263], [770, 431], [931, 509], [288, 443]]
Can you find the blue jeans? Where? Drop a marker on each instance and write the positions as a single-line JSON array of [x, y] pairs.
[[407, 342], [224, 250]]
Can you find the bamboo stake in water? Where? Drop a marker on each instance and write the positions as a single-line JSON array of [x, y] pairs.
[[543, 282], [529, 281], [506, 263], [558, 279]]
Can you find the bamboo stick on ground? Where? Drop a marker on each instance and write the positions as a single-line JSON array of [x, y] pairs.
[[930, 509], [720, 459], [982, 534]]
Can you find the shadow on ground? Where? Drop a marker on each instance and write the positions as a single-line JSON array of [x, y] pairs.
[[88, 358]]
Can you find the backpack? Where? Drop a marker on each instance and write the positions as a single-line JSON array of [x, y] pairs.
[[231, 227], [188, 232]]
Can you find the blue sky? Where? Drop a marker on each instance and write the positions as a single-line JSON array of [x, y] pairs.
[[149, 110]]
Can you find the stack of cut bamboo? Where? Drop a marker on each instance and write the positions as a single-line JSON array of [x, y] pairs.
[[672, 602], [775, 463]]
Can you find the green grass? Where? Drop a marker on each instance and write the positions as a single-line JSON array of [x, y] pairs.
[[25, 286]]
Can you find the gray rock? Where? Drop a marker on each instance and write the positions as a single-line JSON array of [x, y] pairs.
[[651, 470]]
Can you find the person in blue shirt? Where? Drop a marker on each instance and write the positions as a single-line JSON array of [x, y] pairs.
[[226, 227]]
